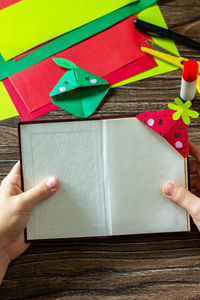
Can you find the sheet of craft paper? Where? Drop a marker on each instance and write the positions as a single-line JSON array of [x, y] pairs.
[[139, 65], [7, 109], [120, 45], [153, 15], [139, 162], [75, 156], [31, 23]]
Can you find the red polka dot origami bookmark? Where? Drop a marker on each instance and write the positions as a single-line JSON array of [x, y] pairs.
[[172, 124], [78, 91]]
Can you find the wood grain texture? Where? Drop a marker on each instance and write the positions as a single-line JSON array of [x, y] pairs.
[[156, 266]]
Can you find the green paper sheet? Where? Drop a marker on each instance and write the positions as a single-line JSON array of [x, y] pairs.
[[78, 91], [30, 23], [153, 15], [7, 109], [61, 43]]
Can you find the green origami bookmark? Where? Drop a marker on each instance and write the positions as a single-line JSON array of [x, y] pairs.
[[78, 91]]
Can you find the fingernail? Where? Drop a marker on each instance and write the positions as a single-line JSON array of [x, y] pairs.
[[52, 183], [169, 189]]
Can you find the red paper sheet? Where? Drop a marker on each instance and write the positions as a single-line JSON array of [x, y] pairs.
[[139, 65], [25, 115], [101, 54]]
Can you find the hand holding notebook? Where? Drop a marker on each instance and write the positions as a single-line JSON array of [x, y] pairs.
[[111, 175], [15, 210]]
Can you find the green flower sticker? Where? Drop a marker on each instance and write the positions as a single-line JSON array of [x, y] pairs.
[[182, 110]]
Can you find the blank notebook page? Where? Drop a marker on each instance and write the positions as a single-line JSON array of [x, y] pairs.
[[139, 162], [71, 151]]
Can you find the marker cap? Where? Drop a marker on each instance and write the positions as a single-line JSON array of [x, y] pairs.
[[190, 70]]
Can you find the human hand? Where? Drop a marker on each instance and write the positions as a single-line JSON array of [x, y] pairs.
[[180, 195], [15, 210]]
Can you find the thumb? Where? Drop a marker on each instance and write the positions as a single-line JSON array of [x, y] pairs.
[[40, 192], [183, 198]]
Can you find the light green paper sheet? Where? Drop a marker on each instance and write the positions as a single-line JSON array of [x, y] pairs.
[[153, 15], [7, 108], [30, 23]]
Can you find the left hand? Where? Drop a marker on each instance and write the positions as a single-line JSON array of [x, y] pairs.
[[15, 210]]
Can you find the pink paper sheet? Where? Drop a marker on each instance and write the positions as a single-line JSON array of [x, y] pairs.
[[101, 54], [140, 65]]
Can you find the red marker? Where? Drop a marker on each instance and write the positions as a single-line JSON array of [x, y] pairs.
[[189, 80]]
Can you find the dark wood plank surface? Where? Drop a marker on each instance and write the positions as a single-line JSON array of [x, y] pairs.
[[156, 266]]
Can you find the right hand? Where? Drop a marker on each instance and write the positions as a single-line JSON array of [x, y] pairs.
[[180, 195]]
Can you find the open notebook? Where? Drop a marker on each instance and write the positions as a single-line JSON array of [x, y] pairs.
[[111, 173]]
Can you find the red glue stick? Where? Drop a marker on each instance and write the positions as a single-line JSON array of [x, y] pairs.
[[189, 80]]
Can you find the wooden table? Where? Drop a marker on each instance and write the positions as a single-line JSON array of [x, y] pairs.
[[156, 266]]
